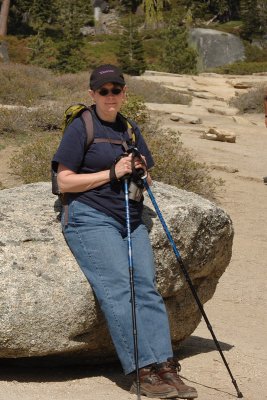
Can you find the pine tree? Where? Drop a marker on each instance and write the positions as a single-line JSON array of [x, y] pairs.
[[41, 12], [223, 10], [131, 53], [72, 16], [262, 7], [178, 56], [251, 19]]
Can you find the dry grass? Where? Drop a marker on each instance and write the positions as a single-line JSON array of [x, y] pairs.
[[251, 102], [153, 92]]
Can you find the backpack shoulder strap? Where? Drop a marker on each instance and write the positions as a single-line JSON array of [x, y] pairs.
[[89, 127], [130, 129]]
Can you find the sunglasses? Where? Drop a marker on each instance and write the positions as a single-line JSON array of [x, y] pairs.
[[105, 91]]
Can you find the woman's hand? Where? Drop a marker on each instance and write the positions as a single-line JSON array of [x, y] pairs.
[[124, 165], [140, 163]]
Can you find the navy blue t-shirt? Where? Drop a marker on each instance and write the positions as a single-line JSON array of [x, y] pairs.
[[108, 198]]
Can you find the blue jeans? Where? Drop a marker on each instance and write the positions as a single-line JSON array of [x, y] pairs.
[[99, 244]]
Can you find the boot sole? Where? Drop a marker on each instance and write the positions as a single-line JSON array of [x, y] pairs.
[[171, 395], [187, 397]]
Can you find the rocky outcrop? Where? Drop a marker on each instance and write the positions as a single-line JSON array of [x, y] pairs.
[[186, 119], [47, 306], [219, 135], [217, 48]]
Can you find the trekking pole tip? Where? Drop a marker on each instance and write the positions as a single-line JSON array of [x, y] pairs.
[[239, 394]]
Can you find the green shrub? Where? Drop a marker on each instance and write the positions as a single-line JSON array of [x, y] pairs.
[[242, 68], [18, 123], [14, 122], [24, 85], [176, 165], [135, 109], [255, 53], [178, 55], [18, 48], [44, 52], [46, 118], [32, 162]]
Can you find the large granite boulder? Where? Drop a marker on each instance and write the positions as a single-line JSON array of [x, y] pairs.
[[47, 306], [217, 48]]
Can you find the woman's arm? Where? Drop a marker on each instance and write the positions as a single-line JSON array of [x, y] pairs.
[[71, 182]]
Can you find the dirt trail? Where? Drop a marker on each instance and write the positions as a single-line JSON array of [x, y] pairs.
[[237, 311]]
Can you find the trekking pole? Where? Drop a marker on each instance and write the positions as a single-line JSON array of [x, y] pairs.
[[189, 281], [130, 260]]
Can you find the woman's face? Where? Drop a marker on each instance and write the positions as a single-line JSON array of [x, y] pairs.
[[108, 100]]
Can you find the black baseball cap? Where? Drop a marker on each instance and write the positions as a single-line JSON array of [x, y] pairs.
[[106, 73]]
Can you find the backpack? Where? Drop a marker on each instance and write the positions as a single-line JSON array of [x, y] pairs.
[[85, 113]]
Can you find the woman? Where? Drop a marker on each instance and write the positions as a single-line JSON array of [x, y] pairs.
[[96, 234]]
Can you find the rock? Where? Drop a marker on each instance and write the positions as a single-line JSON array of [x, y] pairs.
[[159, 73], [241, 120], [206, 96], [226, 168], [219, 135], [217, 48], [243, 85], [47, 306], [88, 31], [223, 111], [4, 51], [187, 119]]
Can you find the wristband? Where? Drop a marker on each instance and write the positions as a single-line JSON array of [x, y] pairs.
[[112, 174]]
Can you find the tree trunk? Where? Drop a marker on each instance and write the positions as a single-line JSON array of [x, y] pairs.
[[4, 17]]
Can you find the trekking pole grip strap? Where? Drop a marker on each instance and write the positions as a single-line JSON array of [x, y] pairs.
[[112, 173]]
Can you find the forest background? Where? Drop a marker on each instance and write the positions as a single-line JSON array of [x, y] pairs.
[[49, 56], [136, 34]]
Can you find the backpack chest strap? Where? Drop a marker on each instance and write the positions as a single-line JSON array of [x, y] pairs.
[[113, 141]]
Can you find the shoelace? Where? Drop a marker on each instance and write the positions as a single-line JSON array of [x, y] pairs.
[[174, 367], [153, 374]]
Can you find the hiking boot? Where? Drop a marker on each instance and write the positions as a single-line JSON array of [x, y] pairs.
[[152, 386], [168, 372]]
